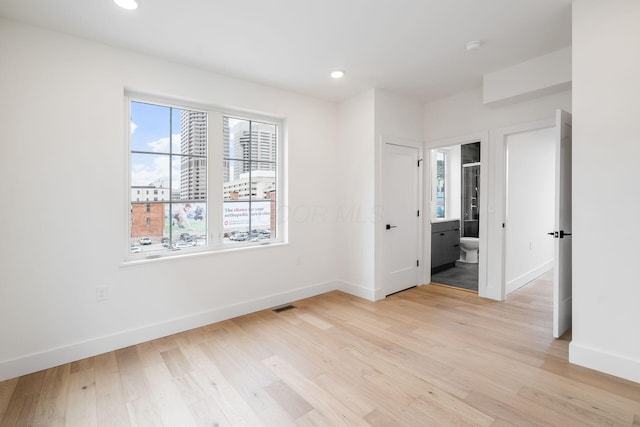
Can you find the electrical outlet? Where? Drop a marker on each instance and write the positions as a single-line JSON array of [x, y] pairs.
[[102, 293]]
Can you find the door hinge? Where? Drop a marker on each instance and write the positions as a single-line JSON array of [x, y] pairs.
[[417, 263], [418, 212]]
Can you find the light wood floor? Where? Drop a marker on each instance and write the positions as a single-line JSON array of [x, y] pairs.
[[427, 356]]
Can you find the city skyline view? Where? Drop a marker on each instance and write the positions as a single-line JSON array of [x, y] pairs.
[[169, 167], [157, 129]]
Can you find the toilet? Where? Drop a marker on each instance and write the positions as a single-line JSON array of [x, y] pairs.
[[469, 249]]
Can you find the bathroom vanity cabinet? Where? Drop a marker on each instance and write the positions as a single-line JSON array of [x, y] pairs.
[[445, 244]]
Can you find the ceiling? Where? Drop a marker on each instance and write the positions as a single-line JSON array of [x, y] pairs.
[[414, 47]]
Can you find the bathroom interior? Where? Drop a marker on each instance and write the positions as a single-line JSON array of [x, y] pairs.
[[455, 215]]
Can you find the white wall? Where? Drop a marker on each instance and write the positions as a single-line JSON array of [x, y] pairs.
[[544, 75], [606, 149], [530, 206], [398, 120], [62, 115], [365, 122], [465, 116], [355, 194], [465, 113], [398, 116]]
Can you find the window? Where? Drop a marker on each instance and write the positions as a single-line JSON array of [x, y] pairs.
[[249, 189], [440, 185], [180, 156]]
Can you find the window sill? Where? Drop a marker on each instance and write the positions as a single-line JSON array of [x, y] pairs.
[[171, 255]]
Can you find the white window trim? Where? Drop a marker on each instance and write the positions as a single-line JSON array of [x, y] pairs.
[[215, 155]]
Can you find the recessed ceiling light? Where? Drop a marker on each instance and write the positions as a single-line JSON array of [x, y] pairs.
[[337, 74], [127, 4], [474, 45]]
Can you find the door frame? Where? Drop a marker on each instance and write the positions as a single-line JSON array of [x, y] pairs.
[[483, 137], [380, 268], [500, 292]]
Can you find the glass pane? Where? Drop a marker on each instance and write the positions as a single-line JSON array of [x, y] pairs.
[[255, 183], [263, 142], [263, 198], [176, 130], [225, 137], [263, 180], [172, 167], [440, 185], [148, 225], [188, 226], [149, 172], [149, 127], [237, 185], [263, 214], [189, 178], [273, 215], [191, 127], [235, 221], [237, 138]]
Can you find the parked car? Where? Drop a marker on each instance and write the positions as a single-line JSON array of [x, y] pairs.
[[240, 237], [258, 236], [136, 249], [184, 244], [145, 241]]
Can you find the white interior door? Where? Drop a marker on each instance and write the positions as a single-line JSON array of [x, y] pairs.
[[562, 232], [400, 178]]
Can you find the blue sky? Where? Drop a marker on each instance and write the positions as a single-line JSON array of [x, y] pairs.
[[150, 131]]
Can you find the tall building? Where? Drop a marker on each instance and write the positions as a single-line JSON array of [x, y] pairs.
[[225, 156], [255, 141], [193, 141], [258, 186]]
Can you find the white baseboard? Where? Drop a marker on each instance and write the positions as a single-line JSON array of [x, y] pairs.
[[609, 363], [65, 354], [357, 290], [522, 280]]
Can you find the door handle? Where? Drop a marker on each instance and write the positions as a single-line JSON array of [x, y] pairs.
[[389, 226], [559, 234]]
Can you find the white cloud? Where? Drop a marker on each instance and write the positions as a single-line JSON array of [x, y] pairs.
[[133, 127], [156, 169], [147, 168], [159, 146], [162, 145]]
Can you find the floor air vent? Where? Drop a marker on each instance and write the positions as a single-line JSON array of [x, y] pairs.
[[283, 308]]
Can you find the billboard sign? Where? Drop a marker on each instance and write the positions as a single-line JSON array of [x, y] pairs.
[[236, 214]]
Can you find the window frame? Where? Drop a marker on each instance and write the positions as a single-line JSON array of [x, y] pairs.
[[214, 180]]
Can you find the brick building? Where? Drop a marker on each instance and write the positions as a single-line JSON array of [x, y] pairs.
[[147, 220]]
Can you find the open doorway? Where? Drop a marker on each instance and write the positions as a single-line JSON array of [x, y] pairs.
[[455, 215], [529, 199], [519, 202], [440, 227]]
